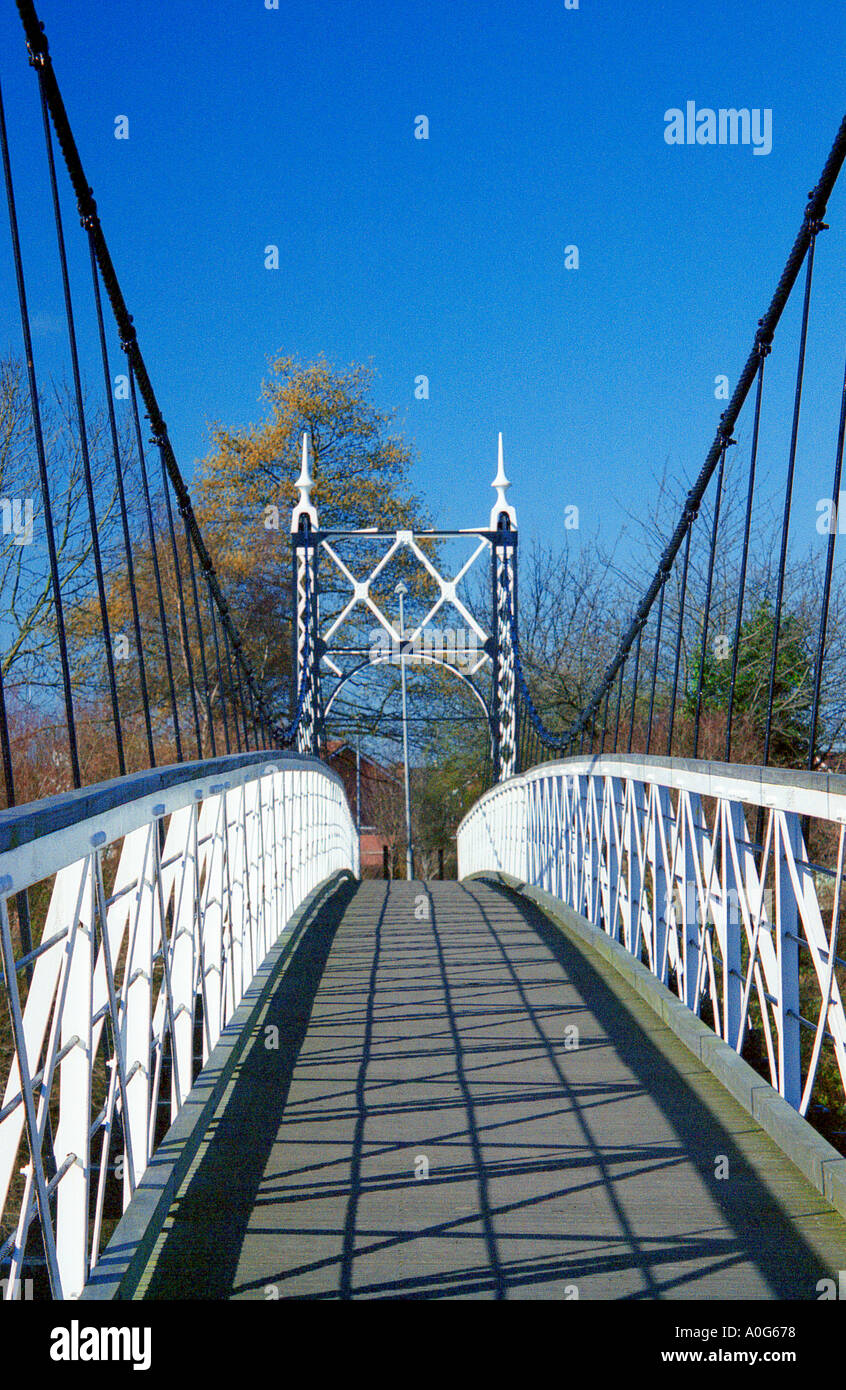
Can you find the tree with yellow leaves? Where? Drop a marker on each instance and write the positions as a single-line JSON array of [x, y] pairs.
[[245, 490]]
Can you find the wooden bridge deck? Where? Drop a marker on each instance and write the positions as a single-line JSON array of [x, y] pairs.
[[445, 1042]]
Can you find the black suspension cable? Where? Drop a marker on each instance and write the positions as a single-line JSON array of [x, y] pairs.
[[40, 56], [21, 898], [788, 490], [55, 584], [127, 543], [220, 682], [83, 433], [804, 242], [679, 635], [242, 705], [829, 564], [814, 212], [253, 717], [180, 605], [231, 686], [634, 688], [619, 702], [200, 637], [523, 736], [655, 661], [6, 745], [763, 352], [708, 590], [154, 555], [519, 734]]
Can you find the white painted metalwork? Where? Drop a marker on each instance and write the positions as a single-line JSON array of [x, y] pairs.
[[330, 642], [304, 484], [169, 888], [504, 528], [504, 676], [304, 531], [661, 855], [501, 485], [401, 590], [361, 597]]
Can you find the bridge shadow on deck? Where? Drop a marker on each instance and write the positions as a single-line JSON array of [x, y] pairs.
[[765, 1235], [550, 1170], [202, 1246]]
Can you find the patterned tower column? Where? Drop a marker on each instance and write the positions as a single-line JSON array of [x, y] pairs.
[[306, 549], [504, 585]]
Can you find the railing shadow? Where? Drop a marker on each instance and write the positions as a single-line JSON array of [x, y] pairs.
[[775, 1248], [199, 1255]]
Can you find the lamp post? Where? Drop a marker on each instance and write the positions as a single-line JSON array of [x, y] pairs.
[[401, 590]]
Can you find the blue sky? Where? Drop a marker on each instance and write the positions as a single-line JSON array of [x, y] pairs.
[[446, 257]]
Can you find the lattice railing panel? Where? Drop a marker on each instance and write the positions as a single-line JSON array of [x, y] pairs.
[[663, 857]]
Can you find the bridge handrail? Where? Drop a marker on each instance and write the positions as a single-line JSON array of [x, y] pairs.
[[169, 888], [39, 838], [821, 794], [657, 853]]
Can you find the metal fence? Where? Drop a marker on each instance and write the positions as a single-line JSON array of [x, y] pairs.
[[658, 854], [160, 894]]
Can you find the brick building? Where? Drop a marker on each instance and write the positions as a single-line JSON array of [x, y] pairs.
[[381, 796]]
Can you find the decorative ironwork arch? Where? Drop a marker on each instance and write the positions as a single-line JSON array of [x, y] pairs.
[[316, 643], [425, 659]]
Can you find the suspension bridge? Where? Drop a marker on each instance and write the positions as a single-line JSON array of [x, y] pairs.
[[606, 1062]]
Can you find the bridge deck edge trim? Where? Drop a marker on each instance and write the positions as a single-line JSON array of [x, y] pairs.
[[122, 1264], [815, 1158]]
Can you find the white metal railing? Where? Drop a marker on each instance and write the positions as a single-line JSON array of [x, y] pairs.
[[662, 855], [169, 888]]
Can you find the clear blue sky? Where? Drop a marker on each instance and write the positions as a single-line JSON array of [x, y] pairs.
[[446, 257]]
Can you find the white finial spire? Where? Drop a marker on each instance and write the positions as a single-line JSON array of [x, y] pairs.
[[500, 483], [304, 484]]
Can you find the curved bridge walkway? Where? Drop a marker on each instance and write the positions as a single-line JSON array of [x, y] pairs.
[[432, 1027]]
